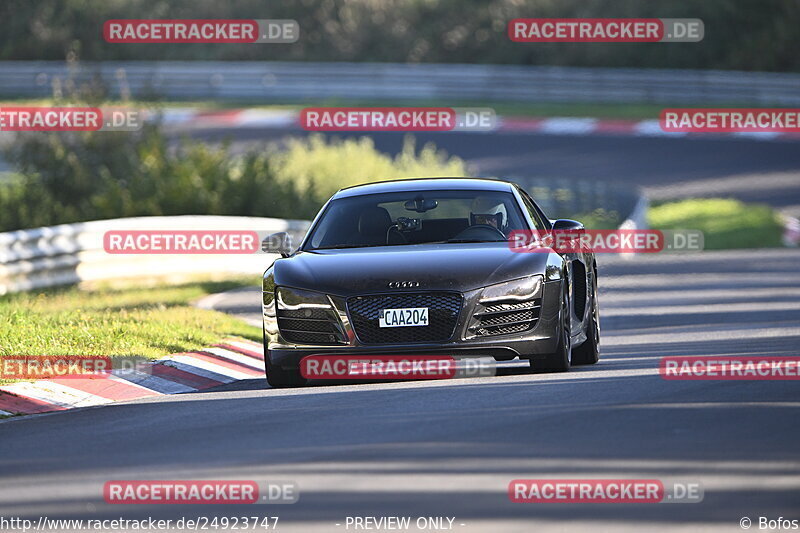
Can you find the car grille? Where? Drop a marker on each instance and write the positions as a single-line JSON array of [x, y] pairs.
[[308, 326], [503, 318], [443, 309]]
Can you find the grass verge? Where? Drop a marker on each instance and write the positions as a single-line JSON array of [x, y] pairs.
[[151, 322], [726, 223]]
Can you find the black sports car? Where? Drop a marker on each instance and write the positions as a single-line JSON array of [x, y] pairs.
[[424, 266]]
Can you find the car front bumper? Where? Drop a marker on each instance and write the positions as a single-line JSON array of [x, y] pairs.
[[541, 339]]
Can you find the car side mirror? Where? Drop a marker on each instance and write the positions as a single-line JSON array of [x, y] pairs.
[[567, 224], [568, 231], [278, 243]]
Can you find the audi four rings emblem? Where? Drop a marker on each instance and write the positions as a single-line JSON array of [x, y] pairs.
[[403, 284]]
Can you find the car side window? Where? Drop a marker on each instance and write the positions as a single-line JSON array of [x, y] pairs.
[[534, 213]]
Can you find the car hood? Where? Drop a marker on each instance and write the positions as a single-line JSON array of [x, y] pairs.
[[459, 267]]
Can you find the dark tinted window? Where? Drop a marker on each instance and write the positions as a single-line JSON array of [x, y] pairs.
[[417, 217]]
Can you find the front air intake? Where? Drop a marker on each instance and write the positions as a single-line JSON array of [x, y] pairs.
[[504, 318], [308, 326]]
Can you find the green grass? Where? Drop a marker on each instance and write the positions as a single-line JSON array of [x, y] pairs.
[[725, 223], [150, 322]]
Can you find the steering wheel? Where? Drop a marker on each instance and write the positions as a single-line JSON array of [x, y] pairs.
[[480, 231]]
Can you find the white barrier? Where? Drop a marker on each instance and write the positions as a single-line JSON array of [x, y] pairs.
[[638, 217], [72, 253], [636, 220]]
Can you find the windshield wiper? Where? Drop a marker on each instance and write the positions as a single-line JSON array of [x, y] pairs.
[[341, 246]]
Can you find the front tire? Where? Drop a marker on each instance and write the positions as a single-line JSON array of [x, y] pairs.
[[588, 353], [559, 360]]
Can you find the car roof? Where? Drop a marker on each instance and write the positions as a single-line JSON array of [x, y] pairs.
[[425, 184]]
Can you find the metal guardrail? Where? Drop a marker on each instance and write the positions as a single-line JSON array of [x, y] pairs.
[[73, 253], [275, 82]]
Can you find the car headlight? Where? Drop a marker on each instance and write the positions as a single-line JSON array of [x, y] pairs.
[[290, 299], [308, 318], [518, 289]]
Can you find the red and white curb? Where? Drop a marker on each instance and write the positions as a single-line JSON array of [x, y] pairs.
[[290, 119], [231, 360], [635, 128]]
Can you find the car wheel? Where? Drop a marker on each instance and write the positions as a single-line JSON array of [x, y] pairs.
[[279, 377], [588, 353], [559, 360]]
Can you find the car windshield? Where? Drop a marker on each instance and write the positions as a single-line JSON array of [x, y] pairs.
[[417, 217]]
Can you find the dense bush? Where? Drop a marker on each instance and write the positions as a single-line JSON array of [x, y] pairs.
[[96, 175], [322, 167], [73, 177], [740, 34]]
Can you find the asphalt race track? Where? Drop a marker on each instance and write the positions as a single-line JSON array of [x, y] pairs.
[[450, 448]]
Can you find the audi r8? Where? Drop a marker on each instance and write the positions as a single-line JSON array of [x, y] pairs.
[[424, 266]]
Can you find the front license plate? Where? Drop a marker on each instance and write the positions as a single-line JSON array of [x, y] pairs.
[[410, 316]]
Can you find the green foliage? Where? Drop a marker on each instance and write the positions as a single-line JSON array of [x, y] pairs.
[[740, 34], [725, 223], [73, 177], [322, 167]]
